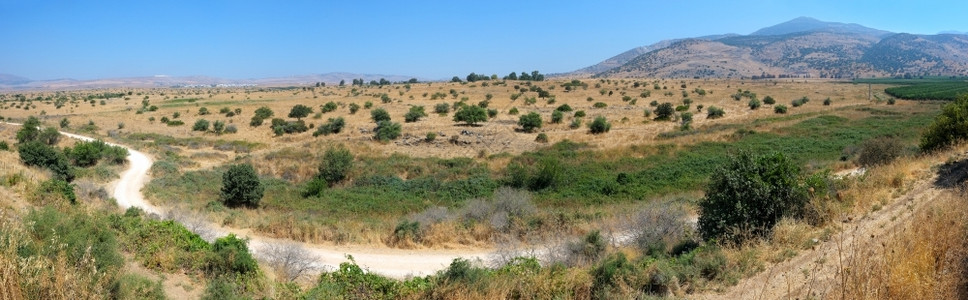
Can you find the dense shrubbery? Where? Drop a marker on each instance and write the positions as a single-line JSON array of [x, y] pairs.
[[948, 128], [715, 112], [470, 114], [85, 154], [386, 131], [38, 154], [748, 195], [414, 115], [280, 126], [332, 126]]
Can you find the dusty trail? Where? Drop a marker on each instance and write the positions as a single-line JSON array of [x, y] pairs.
[[815, 273], [396, 263]]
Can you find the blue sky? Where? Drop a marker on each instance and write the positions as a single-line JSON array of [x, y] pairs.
[[428, 39]]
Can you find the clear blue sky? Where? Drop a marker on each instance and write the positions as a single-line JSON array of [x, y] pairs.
[[428, 39]]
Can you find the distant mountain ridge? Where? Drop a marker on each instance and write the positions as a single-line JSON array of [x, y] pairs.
[[802, 47], [13, 82]]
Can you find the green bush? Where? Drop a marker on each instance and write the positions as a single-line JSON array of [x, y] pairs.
[[599, 105], [300, 111], [580, 114], [379, 115], [470, 114], [386, 131], [60, 188], [530, 121], [200, 125], [314, 187], [755, 103], [332, 126], [241, 186], [748, 195], [948, 128], [541, 138], [229, 256], [354, 108], [328, 107], [564, 108], [557, 116], [337, 163], [599, 125], [768, 100], [29, 131], [664, 111], [80, 236], [780, 109], [414, 115], [442, 108], [715, 112], [38, 154]]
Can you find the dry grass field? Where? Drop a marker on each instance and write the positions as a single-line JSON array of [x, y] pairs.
[[416, 193]]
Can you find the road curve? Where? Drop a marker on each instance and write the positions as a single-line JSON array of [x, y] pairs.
[[395, 263]]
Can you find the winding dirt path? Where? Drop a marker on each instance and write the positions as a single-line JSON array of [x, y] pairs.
[[396, 263]]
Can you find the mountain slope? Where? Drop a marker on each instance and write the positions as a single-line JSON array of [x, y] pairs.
[[800, 48]]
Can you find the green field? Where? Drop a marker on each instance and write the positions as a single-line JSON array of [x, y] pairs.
[[927, 88]]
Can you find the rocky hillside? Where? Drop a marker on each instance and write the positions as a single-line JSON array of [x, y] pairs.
[[801, 48]]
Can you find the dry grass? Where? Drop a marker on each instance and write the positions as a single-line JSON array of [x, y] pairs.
[[928, 260]]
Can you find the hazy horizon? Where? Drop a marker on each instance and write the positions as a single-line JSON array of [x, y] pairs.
[[432, 40]]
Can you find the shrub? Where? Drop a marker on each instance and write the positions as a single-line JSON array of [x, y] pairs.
[[414, 115], [563, 108], [541, 138], [715, 112], [664, 111], [314, 187], [470, 114], [615, 273], [768, 100], [557, 116], [530, 121], [328, 107], [29, 131], [513, 111], [230, 256], [241, 186], [948, 128], [879, 151], [599, 105], [354, 108], [827, 102], [379, 115], [755, 103], [575, 123], [491, 113], [4, 146], [203, 111], [38, 154], [64, 123], [332, 126], [431, 136], [231, 129], [263, 113], [599, 125], [659, 227], [748, 195], [386, 131], [200, 125], [337, 163], [300, 111], [60, 188], [367, 105], [442, 108], [589, 249], [780, 109], [280, 126], [580, 114]]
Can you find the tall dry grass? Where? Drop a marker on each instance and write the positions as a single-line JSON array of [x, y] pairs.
[[928, 260]]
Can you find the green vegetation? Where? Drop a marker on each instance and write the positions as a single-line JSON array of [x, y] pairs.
[[927, 88], [414, 115], [949, 127], [386, 131], [332, 126], [599, 125], [241, 186], [748, 195], [530, 122], [470, 114]]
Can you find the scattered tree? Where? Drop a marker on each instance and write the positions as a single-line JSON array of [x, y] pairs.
[[300, 111], [379, 115], [470, 114], [241, 186], [530, 121], [599, 125]]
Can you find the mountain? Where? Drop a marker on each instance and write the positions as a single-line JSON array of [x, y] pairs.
[[12, 82], [626, 56], [802, 47], [806, 24]]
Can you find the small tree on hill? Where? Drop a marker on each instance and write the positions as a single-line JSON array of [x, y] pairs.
[[241, 186], [386, 131], [300, 111], [470, 114], [664, 111], [414, 115], [337, 162], [29, 131]]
